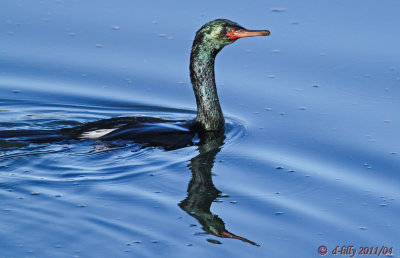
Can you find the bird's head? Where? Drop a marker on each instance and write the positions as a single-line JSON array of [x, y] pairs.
[[219, 33]]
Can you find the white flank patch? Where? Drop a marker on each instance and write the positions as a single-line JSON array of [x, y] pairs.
[[96, 133]]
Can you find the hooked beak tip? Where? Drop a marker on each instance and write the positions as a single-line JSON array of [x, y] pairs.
[[259, 32]]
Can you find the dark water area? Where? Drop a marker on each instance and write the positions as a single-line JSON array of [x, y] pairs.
[[310, 157]]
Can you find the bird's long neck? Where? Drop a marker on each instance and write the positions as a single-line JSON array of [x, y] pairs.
[[209, 113]]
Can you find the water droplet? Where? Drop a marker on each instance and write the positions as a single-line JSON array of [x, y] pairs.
[[213, 241], [278, 10]]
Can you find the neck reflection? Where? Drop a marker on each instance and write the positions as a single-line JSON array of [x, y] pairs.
[[201, 189]]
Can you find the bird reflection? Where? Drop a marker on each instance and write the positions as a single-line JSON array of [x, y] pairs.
[[201, 189]]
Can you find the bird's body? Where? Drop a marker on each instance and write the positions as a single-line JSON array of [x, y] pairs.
[[209, 40], [152, 131]]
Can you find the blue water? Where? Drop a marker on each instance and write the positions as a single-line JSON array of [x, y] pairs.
[[311, 155]]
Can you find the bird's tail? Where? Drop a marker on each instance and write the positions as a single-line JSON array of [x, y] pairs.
[[34, 136]]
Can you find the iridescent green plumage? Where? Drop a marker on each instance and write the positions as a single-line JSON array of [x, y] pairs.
[[209, 40]]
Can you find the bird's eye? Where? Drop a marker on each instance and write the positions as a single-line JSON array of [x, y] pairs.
[[230, 32]]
